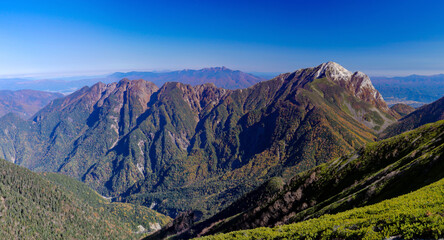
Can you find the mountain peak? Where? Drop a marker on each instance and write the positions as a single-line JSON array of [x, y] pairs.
[[216, 69], [332, 64], [358, 83], [333, 70]]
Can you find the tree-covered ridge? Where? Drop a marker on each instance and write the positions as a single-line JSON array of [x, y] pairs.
[[379, 171], [416, 215], [31, 207], [182, 147], [133, 215], [402, 109]]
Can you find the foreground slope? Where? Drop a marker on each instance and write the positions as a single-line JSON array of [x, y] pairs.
[[33, 208], [379, 171], [417, 215], [182, 147]]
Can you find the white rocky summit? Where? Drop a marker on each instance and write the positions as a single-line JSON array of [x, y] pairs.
[[334, 70], [358, 83]]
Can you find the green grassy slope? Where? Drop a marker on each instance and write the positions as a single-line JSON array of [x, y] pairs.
[[419, 214]]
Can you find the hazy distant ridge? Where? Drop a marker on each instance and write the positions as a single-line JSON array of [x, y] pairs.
[[414, 90], [220, 76]]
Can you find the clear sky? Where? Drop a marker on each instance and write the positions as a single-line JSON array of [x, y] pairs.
[[91, 37]]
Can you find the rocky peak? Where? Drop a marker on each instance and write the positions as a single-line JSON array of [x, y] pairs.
[[333, 71], [358, 83], [217, 69], [364, 89]]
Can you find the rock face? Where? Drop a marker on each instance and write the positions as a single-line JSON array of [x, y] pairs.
[[196, 147]]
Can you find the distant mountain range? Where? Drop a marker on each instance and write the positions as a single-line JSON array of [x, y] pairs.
[[25, 103], [414, 90], [220, 76], [200, 146]]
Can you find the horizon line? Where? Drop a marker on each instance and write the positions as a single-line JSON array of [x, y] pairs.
[[105, 73]]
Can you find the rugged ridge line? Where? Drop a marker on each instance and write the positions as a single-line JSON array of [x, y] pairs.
[[196, 145]]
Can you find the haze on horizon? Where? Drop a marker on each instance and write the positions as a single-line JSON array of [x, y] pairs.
[[67, 38]]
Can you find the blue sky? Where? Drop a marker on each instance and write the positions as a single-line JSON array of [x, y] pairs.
[[94, 37]]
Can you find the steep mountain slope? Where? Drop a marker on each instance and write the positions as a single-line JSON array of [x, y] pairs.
[[221, 77], [25, 103], [31, 207], [417, 215], [426, 114], [379, 171], [415, 90], [402, 109], [182, 147]]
